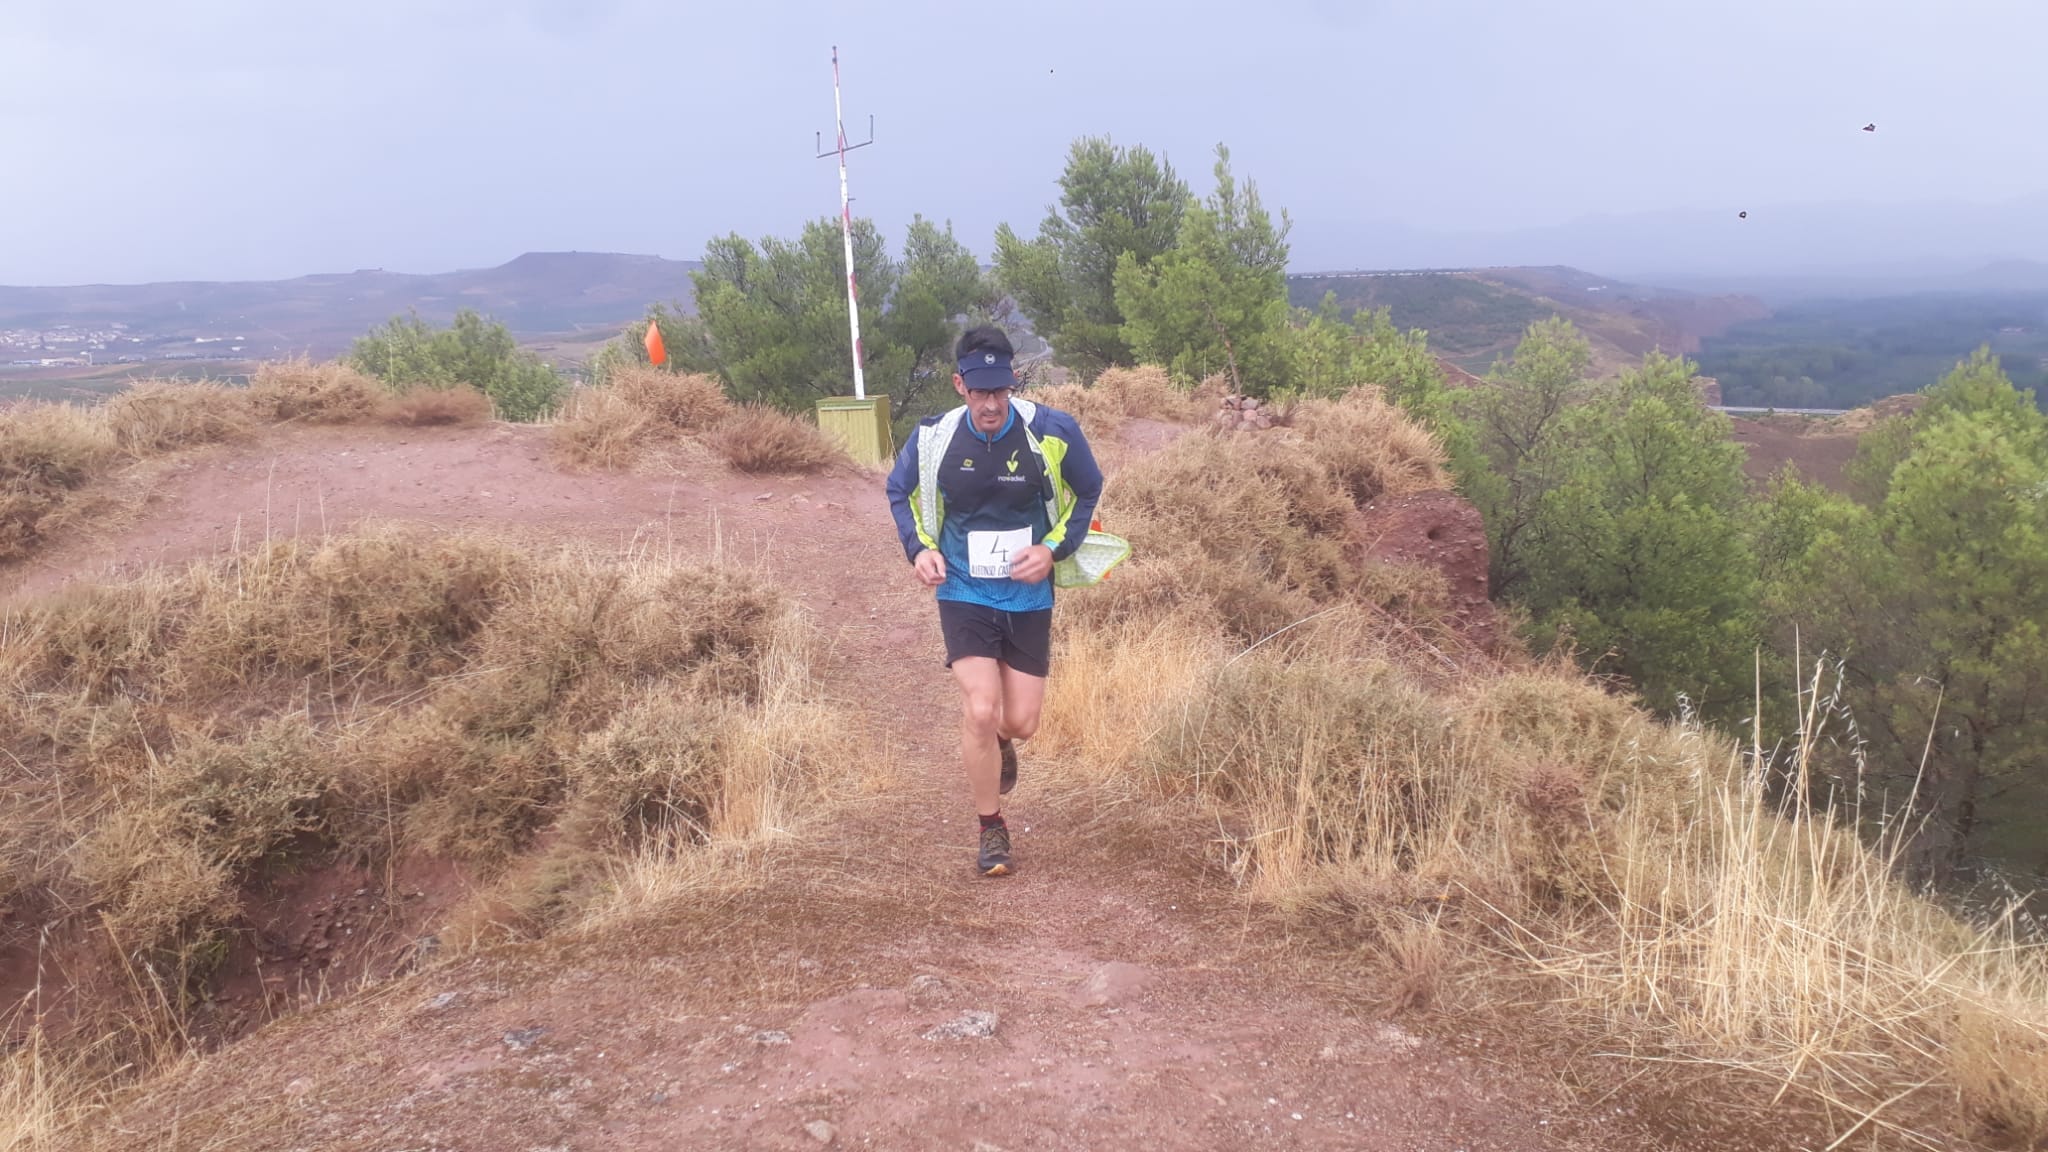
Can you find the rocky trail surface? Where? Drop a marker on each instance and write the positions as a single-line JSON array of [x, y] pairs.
[[864, 988]]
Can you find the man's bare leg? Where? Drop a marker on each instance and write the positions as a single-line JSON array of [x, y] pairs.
[[1023, 701], [981, 680]]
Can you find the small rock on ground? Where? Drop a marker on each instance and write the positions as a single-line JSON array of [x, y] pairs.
[[821, 1131], [771, 1036], [968, 1026], [520, 1039]]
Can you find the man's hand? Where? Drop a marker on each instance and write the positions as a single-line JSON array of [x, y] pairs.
[[1032, 565], [931, 568]]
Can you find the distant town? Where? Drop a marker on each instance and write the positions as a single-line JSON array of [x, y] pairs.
[[67, 346]]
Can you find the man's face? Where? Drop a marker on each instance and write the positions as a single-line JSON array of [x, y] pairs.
[[987, 409]]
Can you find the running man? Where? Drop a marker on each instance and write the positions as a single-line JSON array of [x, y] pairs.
[[988, 497]]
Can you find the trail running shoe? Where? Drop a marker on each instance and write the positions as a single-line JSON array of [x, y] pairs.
[[995, 851], [1009, 750]]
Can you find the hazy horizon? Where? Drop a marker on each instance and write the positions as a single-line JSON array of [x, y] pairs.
[[222, 139]]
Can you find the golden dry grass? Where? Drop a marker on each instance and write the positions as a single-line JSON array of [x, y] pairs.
[[636, 411], [759, 439], [172, 737], [1120, 394], [1519, 820], [48, 452], [1257, 530], [306, 392], [677, 401], [599, 428], [156, 416], [1369, 448]]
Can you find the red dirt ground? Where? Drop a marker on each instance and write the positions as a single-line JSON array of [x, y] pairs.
[[1140, 1000], [1817, 448]]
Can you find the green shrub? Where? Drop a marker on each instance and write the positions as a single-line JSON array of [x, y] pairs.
[[407, 353]]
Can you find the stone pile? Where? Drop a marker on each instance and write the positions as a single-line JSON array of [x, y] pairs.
[[1244, 414]]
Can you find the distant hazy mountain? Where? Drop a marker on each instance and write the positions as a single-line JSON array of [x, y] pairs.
[[2004, 277], [540, 292], [1872, 248]]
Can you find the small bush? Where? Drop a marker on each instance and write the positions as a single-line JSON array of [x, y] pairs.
[[159, 416], [765, 440], [302, 391], [473, 352], [436, 407]]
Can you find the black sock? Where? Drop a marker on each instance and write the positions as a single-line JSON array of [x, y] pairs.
[[995, 821]]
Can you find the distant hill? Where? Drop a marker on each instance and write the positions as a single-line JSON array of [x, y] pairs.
[[2003, 276], [1475, 316], [539, 293], [1881, 248]]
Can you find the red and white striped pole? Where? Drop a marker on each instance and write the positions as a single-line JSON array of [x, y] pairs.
[[860, 390]]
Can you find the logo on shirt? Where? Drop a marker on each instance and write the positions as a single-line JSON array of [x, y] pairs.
[[967, 464], [1013, 461]]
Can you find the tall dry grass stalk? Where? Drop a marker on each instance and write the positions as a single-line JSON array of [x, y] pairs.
[[42, 1094]]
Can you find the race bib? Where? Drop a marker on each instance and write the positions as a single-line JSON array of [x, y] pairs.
[[988, 553]]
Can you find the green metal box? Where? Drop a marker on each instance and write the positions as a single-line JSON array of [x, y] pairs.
[[861, 426]]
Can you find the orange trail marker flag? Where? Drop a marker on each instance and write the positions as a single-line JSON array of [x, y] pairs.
[[657, 352]]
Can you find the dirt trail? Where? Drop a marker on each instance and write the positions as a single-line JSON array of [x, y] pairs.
[[1138, 1000]]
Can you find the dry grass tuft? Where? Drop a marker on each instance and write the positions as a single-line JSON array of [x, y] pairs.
[[675, 402], [157, 416], [47, 453], [1257, 531], [548, 719], [765, 440], [599, 428], [1369, 447], [43, 1093], [436, 408], [636, 410], [2000, 1066], [1147, 393], [327, 393], [1120, 394]]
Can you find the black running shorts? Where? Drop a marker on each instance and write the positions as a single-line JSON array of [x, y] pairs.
[[1022, 640]]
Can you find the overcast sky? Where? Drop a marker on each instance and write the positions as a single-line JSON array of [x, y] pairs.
[[216, 139]]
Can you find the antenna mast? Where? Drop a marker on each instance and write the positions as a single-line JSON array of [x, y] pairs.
[[860, 390]]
